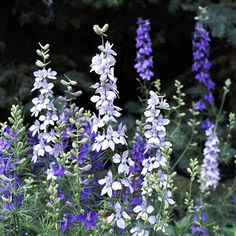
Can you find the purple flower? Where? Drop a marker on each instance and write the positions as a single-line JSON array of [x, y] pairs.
[[200, 105], [144, 62], [234, 199], [199, 219], [9, 195], [209, 175], [67, 222], [89, 218], [206, 124], [201, 64]]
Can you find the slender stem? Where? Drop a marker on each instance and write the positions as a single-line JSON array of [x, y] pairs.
[[183, 153], [220, 110]]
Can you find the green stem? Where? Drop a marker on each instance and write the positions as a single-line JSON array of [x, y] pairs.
[[183, 153], [220, 110]]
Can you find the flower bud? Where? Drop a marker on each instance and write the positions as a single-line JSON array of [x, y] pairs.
[[105, 28], [86, 168], [97, 30], [5, 178], [45, 47], [39, 52], [63, 82], [39, 63]]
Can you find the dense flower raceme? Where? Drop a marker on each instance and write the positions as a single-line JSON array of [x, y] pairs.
[[201, 63], [8, 199], [154, 166], [107, 137], [199, 219], [138, 155], [144, 61], [44, 110], [209, 176], [86, 160]]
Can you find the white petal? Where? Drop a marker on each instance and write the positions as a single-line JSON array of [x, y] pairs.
[[116, 185], [121, 223]]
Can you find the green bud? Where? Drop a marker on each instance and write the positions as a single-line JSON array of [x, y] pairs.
[[5, 178]]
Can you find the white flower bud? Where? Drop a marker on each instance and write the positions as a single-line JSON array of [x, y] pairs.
[[5, 178], [68, 173], [39, 52], [45, 47], [105, 28], [86, 168], [39, 63], [97, 30], [46, 56]]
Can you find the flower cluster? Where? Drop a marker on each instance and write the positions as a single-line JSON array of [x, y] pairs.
[[209, 176], [43, 108], [144, 62], [199, 219], [155, 165], [8, 199], [201, 64], [106, 92], [107, 137]]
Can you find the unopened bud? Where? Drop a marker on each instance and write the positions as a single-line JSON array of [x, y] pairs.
[[45, 47], [97, 30], [39, 63], [39, 52], [5, 178], [86, 168]]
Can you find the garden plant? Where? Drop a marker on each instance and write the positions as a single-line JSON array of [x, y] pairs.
[[72, 171]]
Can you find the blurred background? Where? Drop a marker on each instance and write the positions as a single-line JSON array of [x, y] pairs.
[[67, 26]]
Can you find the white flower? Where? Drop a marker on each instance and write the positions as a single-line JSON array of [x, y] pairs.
[[40, 149], [167, 198], [39, 103], [50, 174], [128, 183], [118, 217], [153, 101], [35, 127], [47, 119], [209, 175], [143, 211], [125, 162], [109, 184], [107, 49], [159, 225], [139, 231], [108, 140], [151, 114]]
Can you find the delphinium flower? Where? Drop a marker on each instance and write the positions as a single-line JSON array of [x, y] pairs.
[[8, 199], [67, 221], [199, 219], [138, 155], [144, 61], [43, 110], [155, 167], [75, 162], [104, 127], [201, 63], [209, 175], [13, 150]]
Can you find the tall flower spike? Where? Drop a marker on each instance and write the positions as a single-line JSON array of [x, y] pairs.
[[201, 63], [43, 105], [144, 61], [155, 166], [209, 176], [104, 126]]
